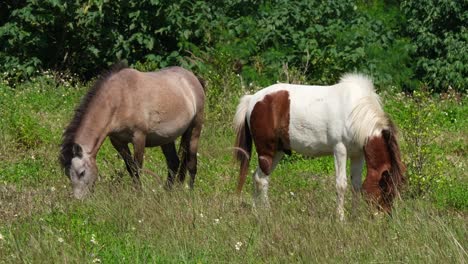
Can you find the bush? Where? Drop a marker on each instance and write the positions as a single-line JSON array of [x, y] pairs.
[[86, 37], [439, 33], [398, 44], [426, 122], [453, 195]]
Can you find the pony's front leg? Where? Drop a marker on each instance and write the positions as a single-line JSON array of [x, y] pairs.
[[357, 163], [139, 143], [262, 179], [124, 151], [340, 171]]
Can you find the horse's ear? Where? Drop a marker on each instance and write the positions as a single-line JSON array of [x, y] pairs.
[[77, 150]]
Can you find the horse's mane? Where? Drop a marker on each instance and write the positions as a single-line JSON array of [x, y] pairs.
[[367, 118], [68, 136], [397, 167]]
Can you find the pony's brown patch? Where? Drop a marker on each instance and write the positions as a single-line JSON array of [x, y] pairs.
[[66, 150], [385, 171], [269, 123]]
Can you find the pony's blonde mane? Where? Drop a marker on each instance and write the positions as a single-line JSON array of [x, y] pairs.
[[367, 118]]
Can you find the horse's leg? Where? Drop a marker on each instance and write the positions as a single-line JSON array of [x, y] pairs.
[[183, 154], [340, 171], [172, 161], [261, 182], [124, 152], [193, 148], [139, 142], [356, 177]]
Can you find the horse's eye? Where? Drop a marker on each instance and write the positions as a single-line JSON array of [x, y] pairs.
[[81, 174]]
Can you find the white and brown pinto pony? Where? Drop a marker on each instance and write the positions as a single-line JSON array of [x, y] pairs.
[[147, 109], [345, 120]]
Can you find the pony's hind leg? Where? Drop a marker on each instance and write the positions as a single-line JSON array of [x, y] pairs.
[[193, 148], [340, 171], [261, 180], [172, 161], [357, 163], [188, 150], [183, 154]]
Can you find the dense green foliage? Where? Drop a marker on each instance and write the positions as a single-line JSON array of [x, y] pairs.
[[398, 44], [440, 35]]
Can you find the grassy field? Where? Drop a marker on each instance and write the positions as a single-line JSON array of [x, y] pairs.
[[39, 223]]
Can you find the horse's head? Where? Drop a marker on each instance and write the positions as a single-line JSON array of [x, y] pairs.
[[82, 171], [385, 170]]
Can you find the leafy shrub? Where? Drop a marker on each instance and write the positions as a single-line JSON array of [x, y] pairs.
[[439, 33], [398, 44], [319, 39], [425, 120], [86, 37], [454, 195]]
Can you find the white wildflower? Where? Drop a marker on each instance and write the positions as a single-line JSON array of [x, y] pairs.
[[96, 260], [291, 193], [60, 240], [52, 189], [202, 215], [238, 245], [216, 221], [93, 239], [1, 237]]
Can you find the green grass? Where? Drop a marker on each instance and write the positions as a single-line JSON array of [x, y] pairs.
[[40, 223]]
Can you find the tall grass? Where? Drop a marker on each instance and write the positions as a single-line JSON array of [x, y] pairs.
[[117, 225], [40, 223]]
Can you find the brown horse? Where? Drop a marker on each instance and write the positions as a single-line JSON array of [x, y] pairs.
[[147, 109]]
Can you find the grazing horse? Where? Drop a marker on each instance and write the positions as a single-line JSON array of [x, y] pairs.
[[343, 120], [147, 109]]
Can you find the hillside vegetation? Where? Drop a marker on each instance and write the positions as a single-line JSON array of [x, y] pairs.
[[400, 44]]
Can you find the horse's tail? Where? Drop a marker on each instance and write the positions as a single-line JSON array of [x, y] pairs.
[[243, 145], [202, 82], [396, 178]]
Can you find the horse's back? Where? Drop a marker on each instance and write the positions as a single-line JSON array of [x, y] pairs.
[[161, 104], [319, 115], [175, 81]]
